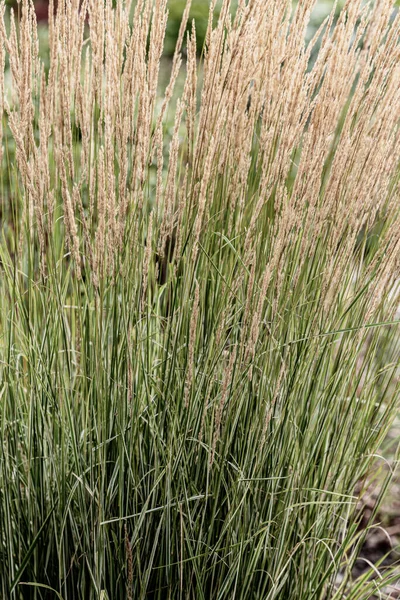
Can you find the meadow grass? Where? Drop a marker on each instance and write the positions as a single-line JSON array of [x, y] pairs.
[[199, 344]]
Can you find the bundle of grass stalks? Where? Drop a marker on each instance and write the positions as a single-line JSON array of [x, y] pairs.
[[198, 341]]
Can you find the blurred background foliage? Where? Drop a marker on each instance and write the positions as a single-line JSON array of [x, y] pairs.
[[199, 12]]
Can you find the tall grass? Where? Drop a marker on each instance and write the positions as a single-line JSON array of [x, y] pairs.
[[198, 334]]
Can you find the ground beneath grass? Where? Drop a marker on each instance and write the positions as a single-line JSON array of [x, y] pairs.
[[383, 541]]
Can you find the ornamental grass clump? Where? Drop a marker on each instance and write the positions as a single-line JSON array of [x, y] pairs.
[[198, 337]]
